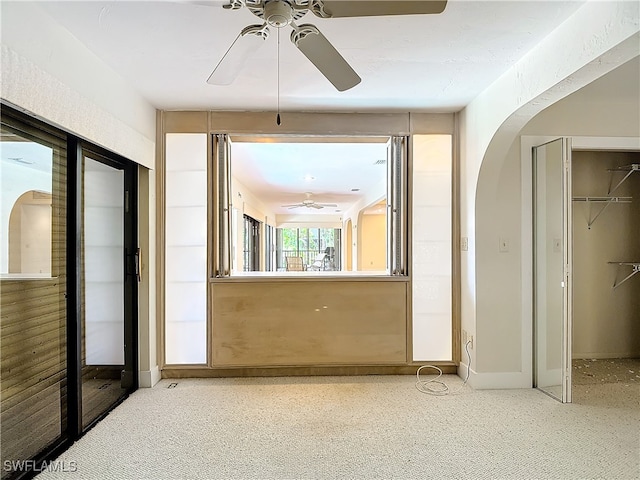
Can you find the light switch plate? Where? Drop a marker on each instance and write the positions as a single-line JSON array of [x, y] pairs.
[[504, 245]]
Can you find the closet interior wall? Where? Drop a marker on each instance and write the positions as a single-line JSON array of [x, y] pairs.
[[606, 320]]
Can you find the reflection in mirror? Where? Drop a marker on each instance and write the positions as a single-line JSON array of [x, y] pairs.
[[548, 267], [33, 286], [25, 207]]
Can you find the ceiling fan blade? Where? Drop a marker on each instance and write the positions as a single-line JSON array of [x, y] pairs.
[[375, 8], [205, 3], [328, 205], [246, 43], [315, 46], [315, 205], [292, 205]]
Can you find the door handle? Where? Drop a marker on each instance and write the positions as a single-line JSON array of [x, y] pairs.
[[133, 264], [136, 262]]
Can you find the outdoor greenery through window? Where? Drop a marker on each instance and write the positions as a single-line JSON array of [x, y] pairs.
[[316, 246]]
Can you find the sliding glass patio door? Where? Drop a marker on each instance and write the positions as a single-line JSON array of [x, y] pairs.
[[68, 289], [108, 284]]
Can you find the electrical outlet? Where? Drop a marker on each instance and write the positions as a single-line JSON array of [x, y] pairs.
[[470, 342], [464, 244]]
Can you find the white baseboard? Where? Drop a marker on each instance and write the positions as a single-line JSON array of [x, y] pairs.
[[495, 381], [148, 378]]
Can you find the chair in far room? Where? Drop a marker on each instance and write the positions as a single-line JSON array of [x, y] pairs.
[[294, 264], [319, 262]]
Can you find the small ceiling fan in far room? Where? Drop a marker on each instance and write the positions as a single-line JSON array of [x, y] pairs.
[[309, 203], [306, 37]]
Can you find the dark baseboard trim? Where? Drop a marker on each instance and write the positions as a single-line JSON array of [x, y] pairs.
[[205, 372]]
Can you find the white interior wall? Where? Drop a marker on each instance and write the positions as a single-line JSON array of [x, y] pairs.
[[249, 203], [596, 39]]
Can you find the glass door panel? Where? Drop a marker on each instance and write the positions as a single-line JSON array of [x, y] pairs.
[[551, 267], [103, 292], [33, 290]]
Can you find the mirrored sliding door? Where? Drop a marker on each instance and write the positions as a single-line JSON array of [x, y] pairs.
[[552, 255]]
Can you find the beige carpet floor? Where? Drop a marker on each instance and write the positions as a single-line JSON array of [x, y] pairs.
[[373, 427]]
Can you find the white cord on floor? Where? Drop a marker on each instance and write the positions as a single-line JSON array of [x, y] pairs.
[[435, 386]]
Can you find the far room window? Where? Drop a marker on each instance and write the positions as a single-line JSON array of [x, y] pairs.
[[316, 246]]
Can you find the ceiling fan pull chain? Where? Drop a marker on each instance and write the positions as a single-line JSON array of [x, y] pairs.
[[278, 82]]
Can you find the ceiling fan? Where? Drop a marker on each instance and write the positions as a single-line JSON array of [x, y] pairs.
[[309, 203], [306, 37]]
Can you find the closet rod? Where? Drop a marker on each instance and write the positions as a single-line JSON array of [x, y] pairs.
[[603, 199], [634, 265], [634, 167]]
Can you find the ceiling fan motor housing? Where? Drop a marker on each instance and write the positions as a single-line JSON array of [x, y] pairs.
[[277, 13]]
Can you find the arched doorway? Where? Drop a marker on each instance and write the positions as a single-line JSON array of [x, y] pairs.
[[30, 234]]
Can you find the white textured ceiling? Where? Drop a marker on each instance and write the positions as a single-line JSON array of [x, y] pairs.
[[167, 50]]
